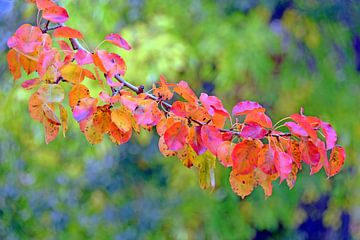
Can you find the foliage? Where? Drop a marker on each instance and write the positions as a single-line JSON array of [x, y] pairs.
[[224, 48], [192, 129]]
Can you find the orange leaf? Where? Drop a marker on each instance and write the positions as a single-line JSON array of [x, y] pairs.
[[164, 149], [67, 32], [76, 93], [35, 107], [242, 185], [51, 130], [63, 118], [245, 156], [183, 89], [336, 161], [73, 73], [187, 156], [260, 118], [224, 153], [13, 60], [118, 136], [121, 118], [26, 39]]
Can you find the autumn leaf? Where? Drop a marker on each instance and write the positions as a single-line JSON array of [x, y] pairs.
[[74, 73], [63, 118], [186, 155], [195, 140], [296, 129], [118, 136], [163, 91], [309, 152], [213, 104], [302, 121], [260, 118], [175, 136], [55, 14], [31, 83], [242, 184], [211, 137], [206, 165], [253, 130], [51, 130], [51, 93], [283, 163], [245, 156], [166, 152], [330, 135], [246, 107], [122, 118], [336, 161], [183, 89], [118, 41], [224, 151], [78, 92], [26, 39], [67, 32], [83, 57], [84, 108], [13, 60], [266, 160]]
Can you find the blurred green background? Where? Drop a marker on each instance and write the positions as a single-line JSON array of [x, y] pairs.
[[283, 54]]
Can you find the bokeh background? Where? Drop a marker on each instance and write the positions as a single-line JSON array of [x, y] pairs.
[[283, 54]]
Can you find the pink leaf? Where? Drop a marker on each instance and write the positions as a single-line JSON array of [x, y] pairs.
[[118, 41], [67, 32], [211, 137], [83, 57], [296, 129], [330, 135], [283, 164], [175, 136], [253, 130], [246, 107]]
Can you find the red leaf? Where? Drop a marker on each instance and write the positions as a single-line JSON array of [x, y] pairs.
[[109, 63], [195, 140], [260, 118], [302, 121], [67, 32], [175, 136], [246, 107], [253, 130], [118, 41], [309, 153], [211, 137], [283, 164], [336, 161], [55, 14], [330, 135], [245, 156]]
